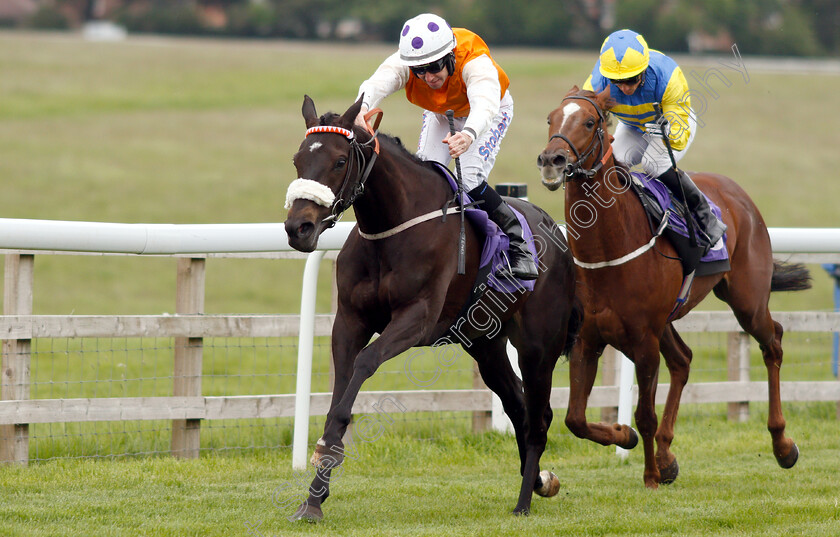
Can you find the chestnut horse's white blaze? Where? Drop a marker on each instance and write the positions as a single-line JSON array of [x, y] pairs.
[[568, 111]]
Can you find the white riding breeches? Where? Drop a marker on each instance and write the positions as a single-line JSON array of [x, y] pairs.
[[633, 148], [478, 160]]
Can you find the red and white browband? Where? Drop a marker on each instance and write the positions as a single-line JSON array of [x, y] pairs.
[[333, 130]]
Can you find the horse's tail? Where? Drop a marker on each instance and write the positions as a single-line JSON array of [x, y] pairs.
[[573, 327], [790, 277]]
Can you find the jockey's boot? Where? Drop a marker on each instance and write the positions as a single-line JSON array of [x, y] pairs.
[[712, 229], [521, 263]]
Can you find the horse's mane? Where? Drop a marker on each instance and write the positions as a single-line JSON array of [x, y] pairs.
[[330, 118], [397, 143]]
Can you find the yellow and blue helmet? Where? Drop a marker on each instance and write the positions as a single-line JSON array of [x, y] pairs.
[[624, 54]]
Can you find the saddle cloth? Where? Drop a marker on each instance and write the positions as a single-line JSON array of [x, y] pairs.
[[656, 199], [496, 243]]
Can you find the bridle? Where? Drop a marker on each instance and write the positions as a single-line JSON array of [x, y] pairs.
[[577, 168], [352, 188]]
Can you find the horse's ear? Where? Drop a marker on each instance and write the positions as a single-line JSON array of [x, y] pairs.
[[349, 118], [604, 100], [573, 91], [309, 113]]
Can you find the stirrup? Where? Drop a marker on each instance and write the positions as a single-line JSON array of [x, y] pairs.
[[506, 270]]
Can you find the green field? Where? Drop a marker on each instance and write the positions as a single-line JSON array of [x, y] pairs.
[[203, 131], [461, 484]]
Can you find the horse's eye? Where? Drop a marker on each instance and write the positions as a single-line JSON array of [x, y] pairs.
[[340, 163], [548, 120], [590, 123]]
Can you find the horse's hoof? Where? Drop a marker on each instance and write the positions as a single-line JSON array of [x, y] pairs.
[[522, 511], [790, 459], [549, 484], [633, 438], [308, 513], [669, 474]]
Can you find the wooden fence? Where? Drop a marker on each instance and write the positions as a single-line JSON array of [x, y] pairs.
[[187, 408]]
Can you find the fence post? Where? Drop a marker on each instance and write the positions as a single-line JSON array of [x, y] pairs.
[[189, 298], [481, 419], [17, 300], [303, 382], [738, 359], [626, 374]]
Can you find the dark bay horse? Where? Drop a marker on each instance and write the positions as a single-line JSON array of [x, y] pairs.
[[400, 280], [628, 283]]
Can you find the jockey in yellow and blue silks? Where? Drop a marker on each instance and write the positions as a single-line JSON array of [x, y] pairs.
[[638, 78]]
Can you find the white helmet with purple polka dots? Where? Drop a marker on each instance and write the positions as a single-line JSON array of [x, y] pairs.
[[424, 39]]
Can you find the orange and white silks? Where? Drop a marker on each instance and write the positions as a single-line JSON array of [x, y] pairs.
[[453, 94]]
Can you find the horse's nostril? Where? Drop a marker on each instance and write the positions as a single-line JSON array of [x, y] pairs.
[[540, 161], [299, 231], [305, 229], [559, 160]]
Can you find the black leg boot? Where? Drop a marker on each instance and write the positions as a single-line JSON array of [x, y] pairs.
[[712, 229], [522, 265]]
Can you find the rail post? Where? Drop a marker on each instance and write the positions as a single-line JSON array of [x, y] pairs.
[[186, 382], [303, 388], [17, 354], [738, 360], [610, 367]]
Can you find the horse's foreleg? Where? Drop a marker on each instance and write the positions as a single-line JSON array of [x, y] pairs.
[[348, 338], [400, 335], [405, 330], [583, 366], [678, 359], [646, 358]]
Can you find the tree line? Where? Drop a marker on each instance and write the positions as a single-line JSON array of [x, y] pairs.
[[758, 27]]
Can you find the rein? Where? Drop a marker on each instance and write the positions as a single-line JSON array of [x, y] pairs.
[[407, 224], [597, 142]]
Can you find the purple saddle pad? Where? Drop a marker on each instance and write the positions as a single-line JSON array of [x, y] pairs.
[[676, 222], [496, 242]]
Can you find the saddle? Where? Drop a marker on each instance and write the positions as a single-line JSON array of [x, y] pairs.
[[496, 243], [661, 208]]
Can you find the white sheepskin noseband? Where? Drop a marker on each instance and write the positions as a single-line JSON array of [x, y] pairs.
[[308, 189]]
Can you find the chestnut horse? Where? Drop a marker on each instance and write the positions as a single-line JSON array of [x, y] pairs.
[[628, 282], [397, 276]]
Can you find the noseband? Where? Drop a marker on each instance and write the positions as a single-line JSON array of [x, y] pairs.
[[356, 187], [597, 142]]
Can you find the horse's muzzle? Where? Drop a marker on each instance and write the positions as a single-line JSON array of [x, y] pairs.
[[554, 165], [302, 235], [305, 222]]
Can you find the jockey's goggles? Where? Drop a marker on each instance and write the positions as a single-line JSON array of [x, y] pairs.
[[627, 81], [434, 67]]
